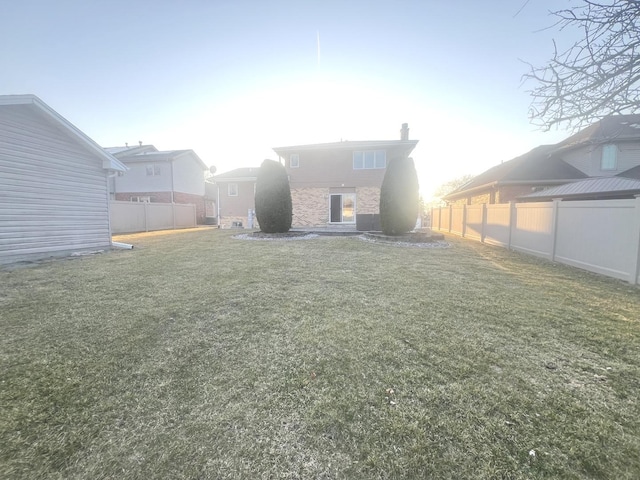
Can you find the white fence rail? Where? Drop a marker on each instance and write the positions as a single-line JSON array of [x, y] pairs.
[[601, 236], [130, 217]]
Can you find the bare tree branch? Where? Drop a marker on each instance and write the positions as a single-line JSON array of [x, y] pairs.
[[598, 75]]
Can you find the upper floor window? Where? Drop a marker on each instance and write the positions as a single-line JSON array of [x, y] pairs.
[[369, 159], [153, 170], [609, 159], [232, 189], [294, 160]]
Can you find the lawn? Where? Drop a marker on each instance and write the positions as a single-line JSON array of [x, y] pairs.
[[196, 355]]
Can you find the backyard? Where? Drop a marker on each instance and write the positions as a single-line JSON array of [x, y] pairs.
[[197, 355]]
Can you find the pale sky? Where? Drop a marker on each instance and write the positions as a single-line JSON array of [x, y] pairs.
[[232, 79]]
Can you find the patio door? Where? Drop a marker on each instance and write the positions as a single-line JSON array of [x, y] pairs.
[[343, 208]]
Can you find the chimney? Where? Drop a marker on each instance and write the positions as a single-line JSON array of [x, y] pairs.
[[404, 132]]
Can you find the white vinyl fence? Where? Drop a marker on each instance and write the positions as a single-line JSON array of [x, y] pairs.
[[130, 217], [601, 236]]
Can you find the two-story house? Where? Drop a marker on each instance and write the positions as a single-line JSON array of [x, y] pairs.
[[596, 162], [338, 184], [172, 176], [236, 194]]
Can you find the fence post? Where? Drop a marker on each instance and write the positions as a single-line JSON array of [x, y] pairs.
[[173, 214], [554, 227], [464, 220], [483, 221], [146, 216], [635, 259], [513, 221]]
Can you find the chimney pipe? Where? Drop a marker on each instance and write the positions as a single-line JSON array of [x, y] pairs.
[[404, 132]]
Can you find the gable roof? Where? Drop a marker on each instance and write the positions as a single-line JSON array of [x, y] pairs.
[[591, 188], [109, 162], [535, 166], [238, 175], [607, 129]]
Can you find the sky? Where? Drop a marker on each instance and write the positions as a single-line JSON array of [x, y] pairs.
[[232, 79]]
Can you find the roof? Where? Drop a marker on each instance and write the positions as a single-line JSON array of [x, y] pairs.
[[536, 166], [591, 188], [156, 156], [109, 162], [613, 127], [238, 175], [349, 145], [127, 150], [631, 173]]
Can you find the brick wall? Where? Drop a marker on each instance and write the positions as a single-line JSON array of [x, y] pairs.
[[310, 206], [367, 200]]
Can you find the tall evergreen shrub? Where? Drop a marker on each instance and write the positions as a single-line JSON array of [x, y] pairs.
[[273, 198], [399, 197]]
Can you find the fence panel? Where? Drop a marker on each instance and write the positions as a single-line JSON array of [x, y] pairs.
[[130, 217], [473, 228], [457, 216], [534, 229], [496, 229], [595, 236]]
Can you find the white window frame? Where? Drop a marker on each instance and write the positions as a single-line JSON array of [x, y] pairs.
[[609, 158], [377, 159], [153, 170], [232, 190], [141, 199], [294, 160]]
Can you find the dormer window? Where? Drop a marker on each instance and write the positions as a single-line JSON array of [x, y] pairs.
[[369, 159], [294, 160], [609, 159]]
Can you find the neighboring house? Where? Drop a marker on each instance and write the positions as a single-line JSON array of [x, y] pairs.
[[236, 190], [173, 176], [522, 175], [338, 184], [54, 196], [608, 150]]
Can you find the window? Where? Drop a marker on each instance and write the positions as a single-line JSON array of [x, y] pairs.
[[146, 199], [232, 190], [294, 160], [153, 170], [609, 159], [369, 159]]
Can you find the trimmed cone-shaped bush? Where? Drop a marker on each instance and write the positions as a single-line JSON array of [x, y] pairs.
[[399, 197], [273, 198]]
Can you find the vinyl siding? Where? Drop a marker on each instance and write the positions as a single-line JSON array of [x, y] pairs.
[[53, 191], [587, 159]]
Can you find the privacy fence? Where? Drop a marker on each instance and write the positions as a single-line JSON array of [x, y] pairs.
[[601, 236], [130, 217]]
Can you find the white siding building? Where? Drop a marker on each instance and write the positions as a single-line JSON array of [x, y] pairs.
[[54, 196]]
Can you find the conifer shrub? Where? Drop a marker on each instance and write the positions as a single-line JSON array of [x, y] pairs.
[[399, 197], [274, 209]]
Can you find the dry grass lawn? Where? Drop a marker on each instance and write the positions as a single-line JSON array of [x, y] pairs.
[[196, 355]]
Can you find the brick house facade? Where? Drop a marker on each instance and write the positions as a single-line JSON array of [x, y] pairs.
[[338, 184]]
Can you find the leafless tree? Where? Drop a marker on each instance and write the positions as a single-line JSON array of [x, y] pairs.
[[598, 75]]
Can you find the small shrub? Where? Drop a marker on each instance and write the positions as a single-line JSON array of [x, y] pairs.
[[399, 197], [274, 209]]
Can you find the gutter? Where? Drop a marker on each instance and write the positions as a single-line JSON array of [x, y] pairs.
[[126, 246]]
